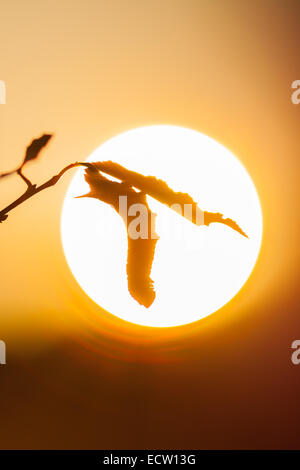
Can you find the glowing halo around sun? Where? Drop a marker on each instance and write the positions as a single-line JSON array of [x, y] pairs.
[[196, 270]]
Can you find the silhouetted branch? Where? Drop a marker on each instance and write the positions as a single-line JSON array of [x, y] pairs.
[[32, 152], [27, 181], [150, 185], [33, 189], [3, 175]]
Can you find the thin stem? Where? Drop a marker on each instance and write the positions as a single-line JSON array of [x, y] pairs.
[[27, 181], [32, 189]]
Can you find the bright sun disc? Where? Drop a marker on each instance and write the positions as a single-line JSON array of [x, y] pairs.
[[196, 270]]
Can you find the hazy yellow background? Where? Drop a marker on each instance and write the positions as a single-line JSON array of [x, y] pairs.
[[86, 71]]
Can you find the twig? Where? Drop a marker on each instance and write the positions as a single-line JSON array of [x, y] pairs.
[[33, 189], [9, 173], [27, 181]]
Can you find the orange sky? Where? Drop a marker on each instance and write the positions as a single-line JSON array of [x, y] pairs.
[[87, 71]]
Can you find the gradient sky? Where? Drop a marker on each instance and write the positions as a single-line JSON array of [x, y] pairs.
[[86, 71]]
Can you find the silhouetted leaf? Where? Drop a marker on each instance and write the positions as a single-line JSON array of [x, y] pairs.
[[35, 147], [140, 251], [159, 190], [212, 217]]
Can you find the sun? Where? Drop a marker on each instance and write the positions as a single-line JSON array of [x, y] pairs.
[[196, 270]]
